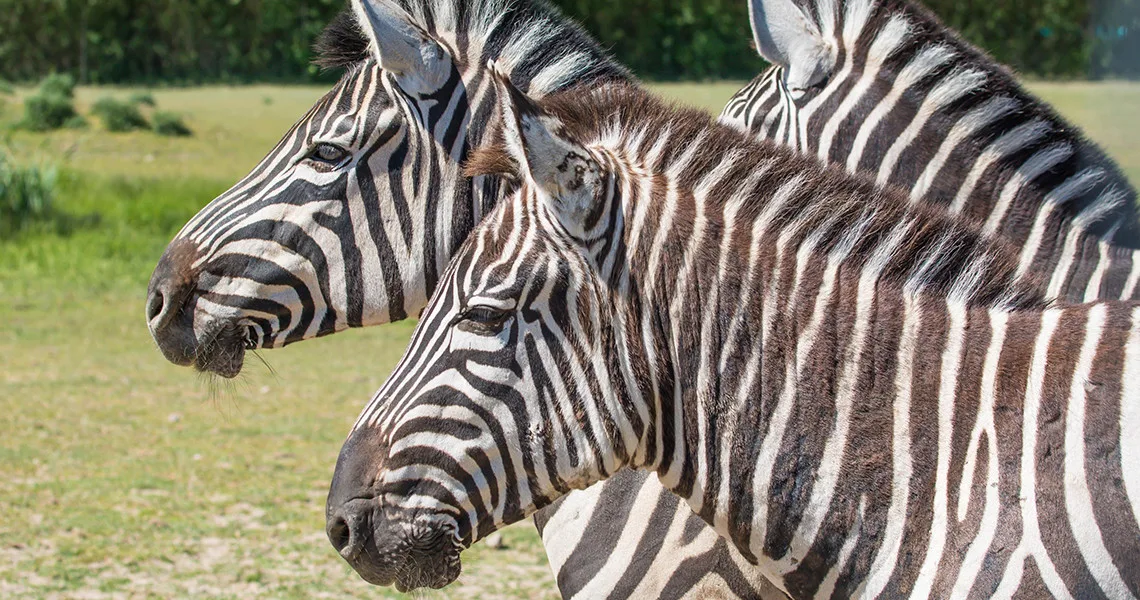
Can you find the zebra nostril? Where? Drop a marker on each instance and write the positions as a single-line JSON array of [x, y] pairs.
[[154, 305], [339, 534]]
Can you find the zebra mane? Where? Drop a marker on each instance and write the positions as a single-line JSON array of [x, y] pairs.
[[542, 49], [840, 208], [342, 44], [1116, 202]]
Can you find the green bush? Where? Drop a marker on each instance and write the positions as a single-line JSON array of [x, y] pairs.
[[26, 194], [76, 122], [142, 98], [6, 88], [46, 112], [53, 106], [119, 116], [170, 124], [60, 84]]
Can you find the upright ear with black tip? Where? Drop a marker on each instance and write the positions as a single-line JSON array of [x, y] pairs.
[[787, 36], [420, 64], [571, 179]]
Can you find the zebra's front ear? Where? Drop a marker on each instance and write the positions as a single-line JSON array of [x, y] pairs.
[[547, 156], [402, 47], [787, 36]]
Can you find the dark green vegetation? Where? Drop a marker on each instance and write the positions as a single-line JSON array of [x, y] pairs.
[[26, 194], [195, 41], [124, 476], [119, 116], [170, 124], [52, 106]]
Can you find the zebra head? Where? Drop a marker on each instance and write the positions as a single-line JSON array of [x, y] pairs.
[[350, 220], [497, 408]]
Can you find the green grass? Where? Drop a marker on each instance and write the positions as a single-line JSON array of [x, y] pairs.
[[121, 474]]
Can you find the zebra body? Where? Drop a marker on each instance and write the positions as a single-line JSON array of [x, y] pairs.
[[895, 94], [639, 304]]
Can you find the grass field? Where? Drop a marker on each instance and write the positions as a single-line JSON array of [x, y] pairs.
[[123, 476]]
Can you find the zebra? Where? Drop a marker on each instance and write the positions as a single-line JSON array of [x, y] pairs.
[[645, 299], [350, 219], [882, 87]]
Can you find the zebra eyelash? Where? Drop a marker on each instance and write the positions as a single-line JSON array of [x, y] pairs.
[[327, 157], [481, 318]]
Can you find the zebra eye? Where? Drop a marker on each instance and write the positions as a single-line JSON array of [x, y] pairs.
[[328, 154], [484, 317]]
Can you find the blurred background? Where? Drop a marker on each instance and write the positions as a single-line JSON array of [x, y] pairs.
[[123, 476]]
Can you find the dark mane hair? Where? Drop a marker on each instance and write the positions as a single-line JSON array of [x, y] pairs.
[[342, 44], [835, 199], [1115, 199], [542, 49]]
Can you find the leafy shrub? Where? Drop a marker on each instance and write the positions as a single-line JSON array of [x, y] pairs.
[[6, 88], [58, 84], [170, 124], [46, 112], [26, 194], [76, 122], [53, 106], [119, 116], [142, 98]]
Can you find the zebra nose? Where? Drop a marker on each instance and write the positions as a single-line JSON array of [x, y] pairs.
[[173, 281], [351, 493], [348, 527]]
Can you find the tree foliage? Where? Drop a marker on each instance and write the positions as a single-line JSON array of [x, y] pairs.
[[196, 41]]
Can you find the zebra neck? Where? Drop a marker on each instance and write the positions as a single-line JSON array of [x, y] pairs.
[[834, 416], [1081, 267]]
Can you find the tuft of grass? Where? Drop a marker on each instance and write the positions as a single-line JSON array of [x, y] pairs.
[[170, 124], [119, 116], [26, 194], [47, 112], [59, 84], [53, 106], [142, 99], [76, 122]]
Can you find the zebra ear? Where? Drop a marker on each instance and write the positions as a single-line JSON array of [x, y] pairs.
[[786, 36], [402, 47], [546, 156]]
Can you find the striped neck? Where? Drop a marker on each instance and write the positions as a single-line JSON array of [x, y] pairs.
[[863, 422], [913, 104]]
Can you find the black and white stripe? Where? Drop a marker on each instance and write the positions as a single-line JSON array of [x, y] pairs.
[[758, 342], [902, 98]]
